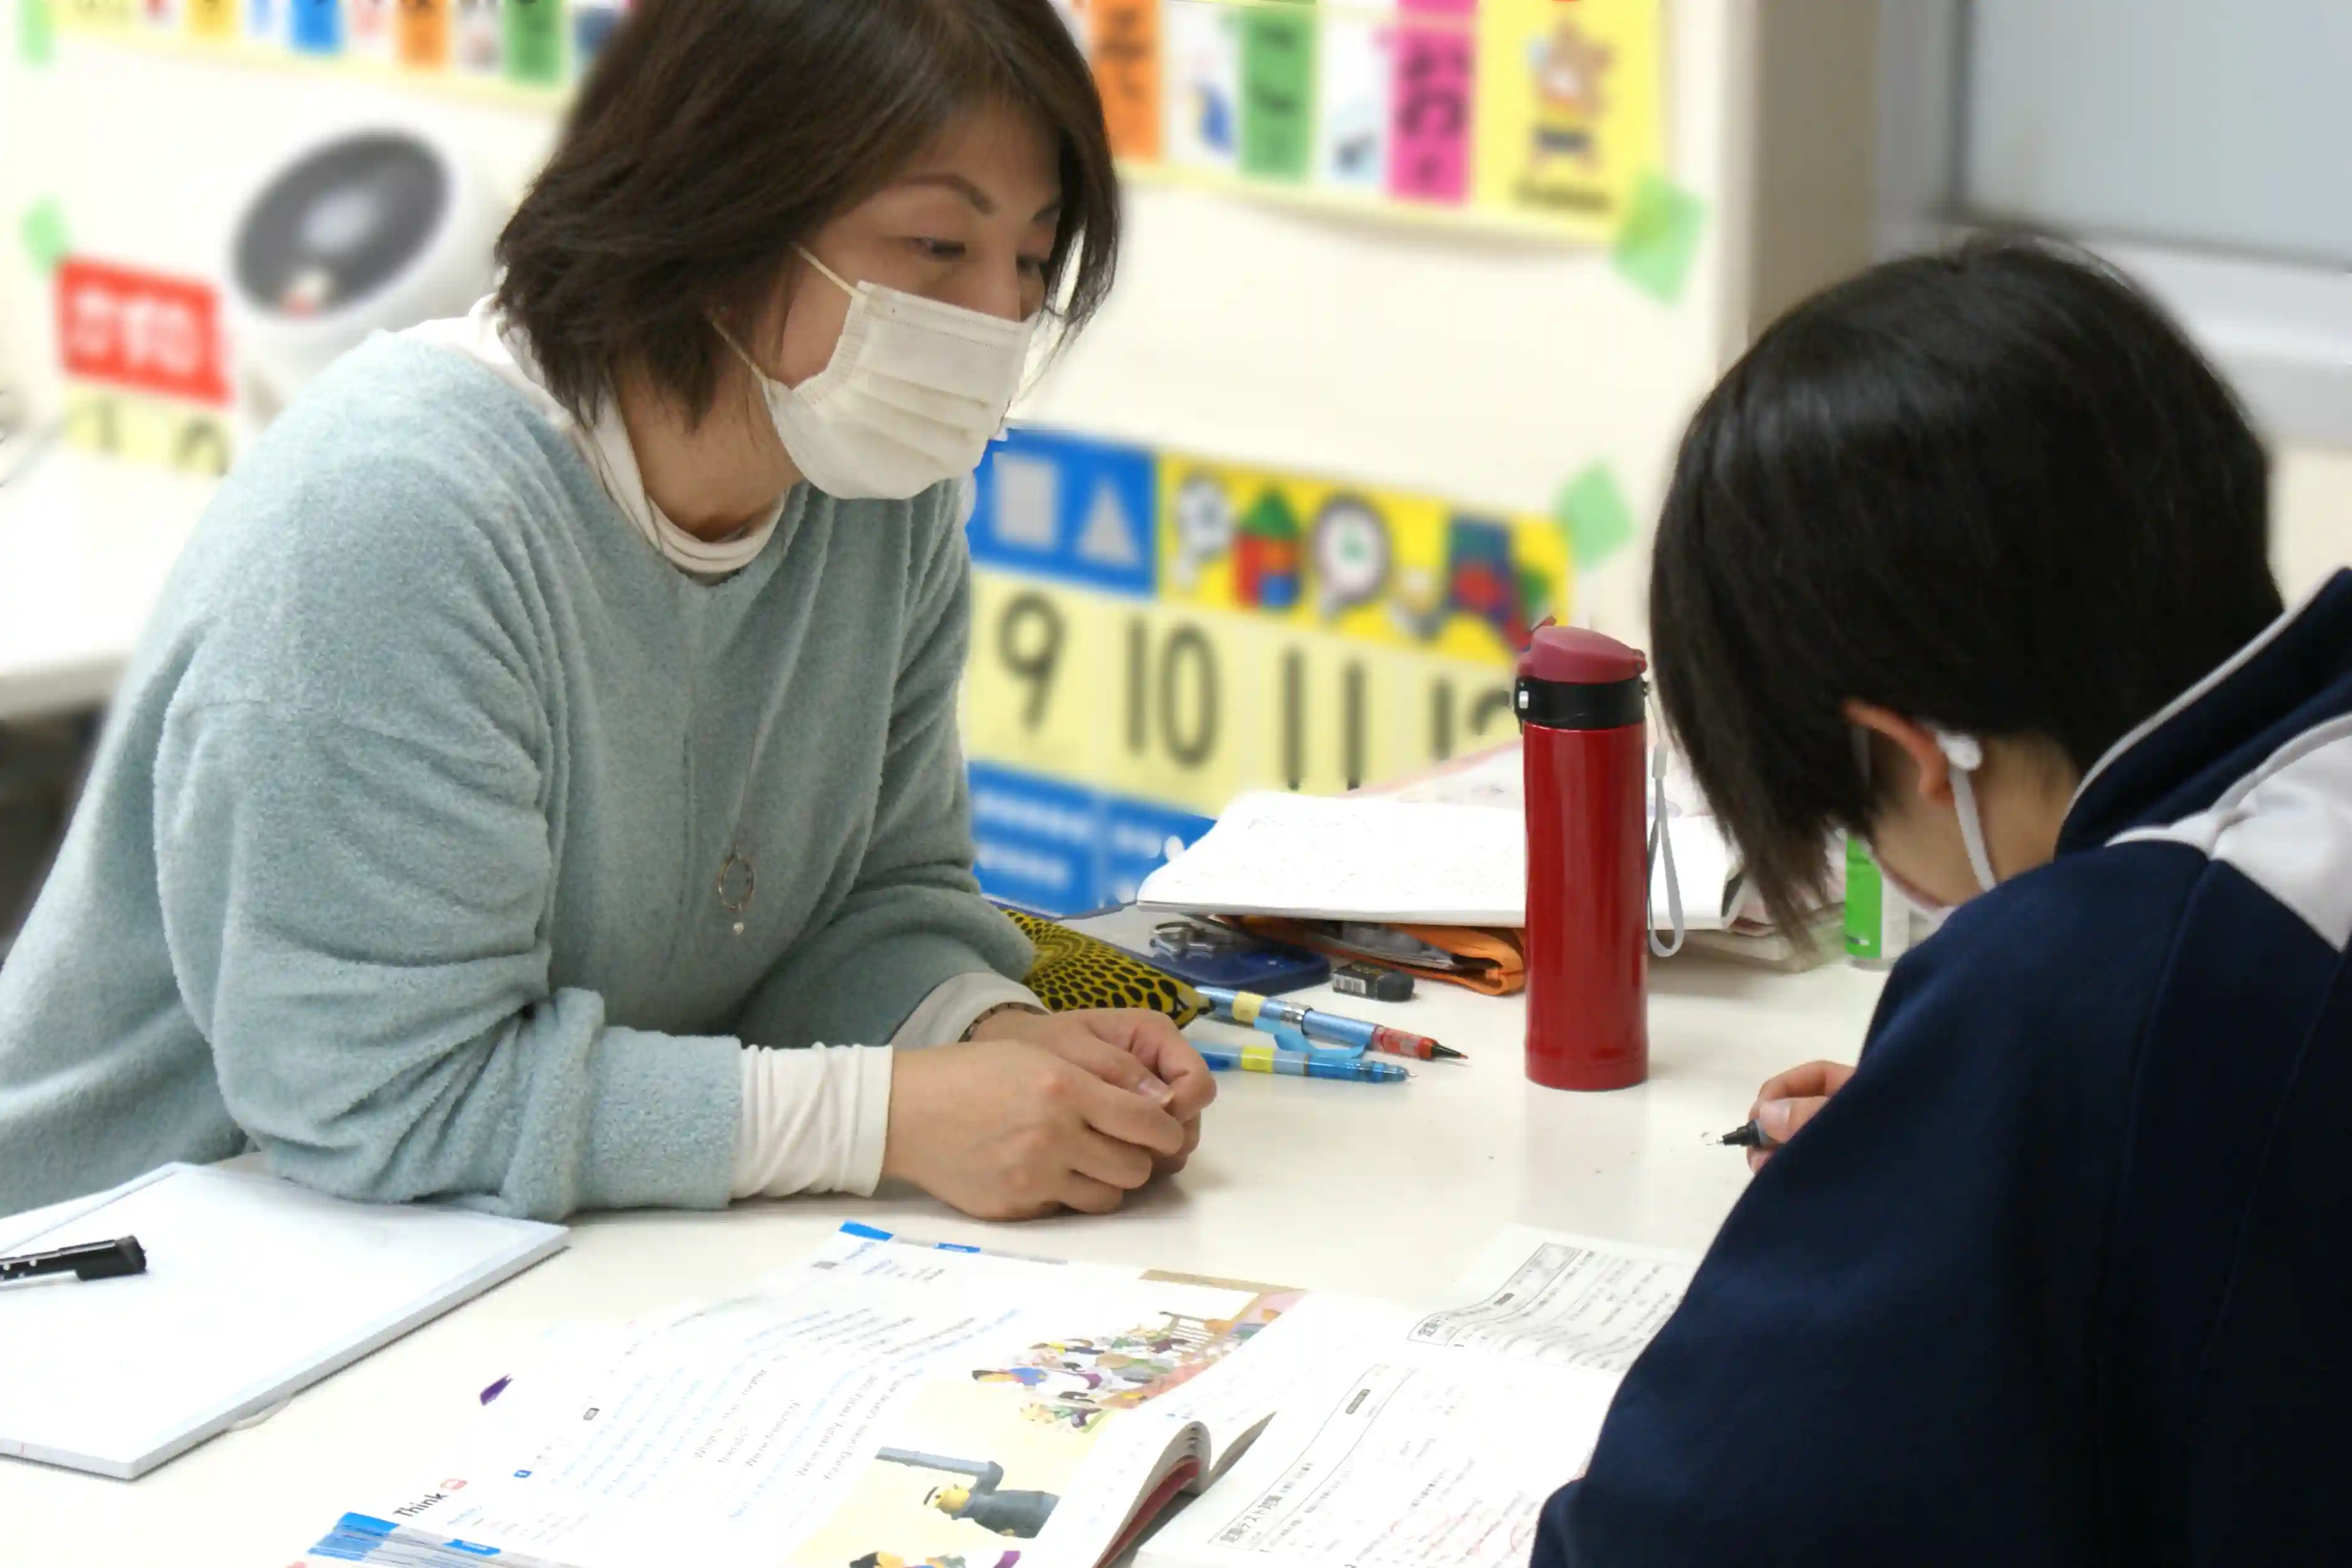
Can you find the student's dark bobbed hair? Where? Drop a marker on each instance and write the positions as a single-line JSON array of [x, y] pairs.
[[1994, 490], [713, 135]]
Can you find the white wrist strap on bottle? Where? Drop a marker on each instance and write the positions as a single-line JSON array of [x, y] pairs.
[[1660, 838]]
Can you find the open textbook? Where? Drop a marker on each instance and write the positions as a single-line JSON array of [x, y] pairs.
[[887, 1405]]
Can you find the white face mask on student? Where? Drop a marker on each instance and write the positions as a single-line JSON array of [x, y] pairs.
[[1965, 754], [913, 394]]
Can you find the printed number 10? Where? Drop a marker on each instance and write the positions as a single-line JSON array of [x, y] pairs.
[[1185, 687]]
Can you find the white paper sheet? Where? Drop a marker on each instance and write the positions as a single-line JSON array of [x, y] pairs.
[[1417, 1462], [255, 1288], [1389, 859], [1562, 1300]]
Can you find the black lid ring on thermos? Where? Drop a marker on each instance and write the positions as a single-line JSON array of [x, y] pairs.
[[1560, 705]]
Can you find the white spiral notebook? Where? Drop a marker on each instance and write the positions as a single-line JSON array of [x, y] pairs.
[[255, 1289]]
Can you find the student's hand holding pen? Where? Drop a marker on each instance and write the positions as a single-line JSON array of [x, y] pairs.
[[1789, 1100]]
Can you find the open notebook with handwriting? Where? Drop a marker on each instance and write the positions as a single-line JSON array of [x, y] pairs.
[[882, 1404]]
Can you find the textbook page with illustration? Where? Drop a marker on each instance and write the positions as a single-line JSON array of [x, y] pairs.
[[885, 1404], [1435, 1438], [880, 1404]]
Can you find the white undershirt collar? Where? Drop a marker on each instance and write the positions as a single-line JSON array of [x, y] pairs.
[[484, 335]]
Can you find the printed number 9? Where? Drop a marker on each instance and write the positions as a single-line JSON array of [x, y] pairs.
[[1029, 640]]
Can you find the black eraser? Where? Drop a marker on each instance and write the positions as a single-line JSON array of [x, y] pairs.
[[1373, 981]]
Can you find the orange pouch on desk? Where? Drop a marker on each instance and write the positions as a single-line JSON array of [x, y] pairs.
[[1491, 960]]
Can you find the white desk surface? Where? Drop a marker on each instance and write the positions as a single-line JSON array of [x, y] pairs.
[[1338, 1186], [85, 545]]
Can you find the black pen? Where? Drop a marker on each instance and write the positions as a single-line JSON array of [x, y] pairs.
[[1747, 1137], [90, 1260]]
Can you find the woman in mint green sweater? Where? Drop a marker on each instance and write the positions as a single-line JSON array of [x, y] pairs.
[[554, 714]]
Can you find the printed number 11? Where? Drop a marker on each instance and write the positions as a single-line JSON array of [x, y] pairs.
[[1293, 721]]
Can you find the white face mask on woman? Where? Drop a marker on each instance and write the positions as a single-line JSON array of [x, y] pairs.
[[913, 394]]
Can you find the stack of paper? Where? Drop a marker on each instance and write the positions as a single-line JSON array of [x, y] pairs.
[[1445, 847], [1425, 862], [1353, 858]]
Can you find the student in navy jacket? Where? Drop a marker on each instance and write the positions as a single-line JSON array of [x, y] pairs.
[[2059, 1275]]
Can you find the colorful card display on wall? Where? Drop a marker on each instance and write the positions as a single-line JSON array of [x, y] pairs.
[[1540, 114], [531, 44], [1154, 633], [1538, 111]]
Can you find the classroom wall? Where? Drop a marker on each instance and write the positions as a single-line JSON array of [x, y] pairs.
[[1487, 370], [1456, 376], [1483, 370], [146, 155], [1813, 157], [2311, 516]]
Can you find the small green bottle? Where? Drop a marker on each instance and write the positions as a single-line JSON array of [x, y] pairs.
[[1878, 920]]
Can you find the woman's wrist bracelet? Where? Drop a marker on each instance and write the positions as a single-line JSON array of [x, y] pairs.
[[971, 1030]]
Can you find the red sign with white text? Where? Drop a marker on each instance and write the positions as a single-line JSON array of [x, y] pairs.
[[141, 330]]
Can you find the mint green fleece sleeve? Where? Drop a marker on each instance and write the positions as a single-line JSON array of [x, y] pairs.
[[914, 917], [353, 851], [354, 921]]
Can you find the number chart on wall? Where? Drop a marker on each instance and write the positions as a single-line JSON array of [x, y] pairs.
[[1155, 633]]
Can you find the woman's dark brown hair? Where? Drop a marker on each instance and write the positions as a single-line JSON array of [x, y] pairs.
[[713, 135]]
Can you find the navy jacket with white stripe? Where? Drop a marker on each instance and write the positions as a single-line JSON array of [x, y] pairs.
[[2061, 1275]]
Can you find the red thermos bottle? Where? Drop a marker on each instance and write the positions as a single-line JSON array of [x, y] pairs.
[[1580, 699]]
